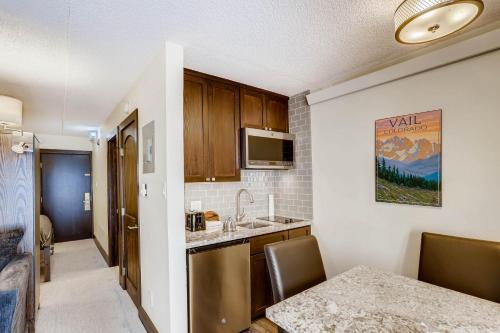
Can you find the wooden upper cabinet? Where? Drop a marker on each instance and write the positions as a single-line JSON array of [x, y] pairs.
[[214, 111], [224, 138], [252, 108], [263, 110], [195, 129], [276, 114]]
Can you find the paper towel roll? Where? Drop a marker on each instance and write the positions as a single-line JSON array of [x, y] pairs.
[[271, 205]]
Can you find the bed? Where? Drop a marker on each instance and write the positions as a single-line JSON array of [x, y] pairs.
[[46, 246]]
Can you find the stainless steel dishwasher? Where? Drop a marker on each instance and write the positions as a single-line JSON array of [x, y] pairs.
[[219, 288]]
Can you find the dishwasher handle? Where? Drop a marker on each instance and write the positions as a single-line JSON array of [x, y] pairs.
[[217, 246]]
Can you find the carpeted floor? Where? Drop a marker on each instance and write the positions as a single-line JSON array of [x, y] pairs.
[[84, 295]]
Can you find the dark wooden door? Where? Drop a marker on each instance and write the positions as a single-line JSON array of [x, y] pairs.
[[129, 202], [262, 294], [195, 129], [277, 114], [224, 138], [252, 108], [67, 194]]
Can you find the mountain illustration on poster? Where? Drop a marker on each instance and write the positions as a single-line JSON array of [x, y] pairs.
[[408, 159]]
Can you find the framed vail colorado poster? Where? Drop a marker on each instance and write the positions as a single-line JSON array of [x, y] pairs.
[[408, 159]]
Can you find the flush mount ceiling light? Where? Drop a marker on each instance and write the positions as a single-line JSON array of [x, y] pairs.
[[420, 21]]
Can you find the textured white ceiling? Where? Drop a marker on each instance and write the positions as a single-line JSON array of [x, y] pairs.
[[75, 60]]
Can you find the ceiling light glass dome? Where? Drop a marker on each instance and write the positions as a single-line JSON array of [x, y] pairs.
[[420, 21]]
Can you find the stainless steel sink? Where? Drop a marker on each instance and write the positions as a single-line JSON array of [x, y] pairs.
[[254, 225]]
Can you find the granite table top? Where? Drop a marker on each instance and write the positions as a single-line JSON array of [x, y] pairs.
[[216, 235], [366, 299]]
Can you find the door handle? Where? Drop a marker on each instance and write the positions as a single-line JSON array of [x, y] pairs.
[[133, 227]]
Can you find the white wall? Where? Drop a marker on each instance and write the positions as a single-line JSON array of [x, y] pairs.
[[158, 95], [64, 142], [352, 228], [175, 189]]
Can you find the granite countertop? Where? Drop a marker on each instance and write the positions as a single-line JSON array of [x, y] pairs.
[[216, 235], [365, 299]]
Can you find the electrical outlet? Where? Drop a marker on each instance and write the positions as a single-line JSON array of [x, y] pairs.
[[195, 206]]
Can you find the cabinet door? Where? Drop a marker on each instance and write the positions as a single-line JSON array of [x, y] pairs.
[[299, 232], [195, 129], [262, 296], [257, 243], [224, 138], [252, 108], [276, 114]]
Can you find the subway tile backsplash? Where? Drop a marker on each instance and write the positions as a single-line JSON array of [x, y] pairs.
[[292, 189]]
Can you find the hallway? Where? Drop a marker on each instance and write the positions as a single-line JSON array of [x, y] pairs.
[[84, 295]]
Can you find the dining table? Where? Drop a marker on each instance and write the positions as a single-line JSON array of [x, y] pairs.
[[366, 299]]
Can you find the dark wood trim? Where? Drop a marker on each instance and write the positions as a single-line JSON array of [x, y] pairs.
[[227, 81], [113, 202], [37, 194], [66, 152], [121, 236], [146, 321], [101, 250], [134, 116]]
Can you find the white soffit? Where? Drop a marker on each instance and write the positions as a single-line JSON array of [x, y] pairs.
[[475, 46]]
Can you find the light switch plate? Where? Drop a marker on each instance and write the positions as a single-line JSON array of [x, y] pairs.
[[151, 298], [144, 190], [195, 206], [148, 147]]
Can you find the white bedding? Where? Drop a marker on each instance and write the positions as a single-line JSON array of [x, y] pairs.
[[45, 231]]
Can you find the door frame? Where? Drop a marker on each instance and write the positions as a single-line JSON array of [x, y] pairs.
[[121, 249], [71, 152], [113, 196]]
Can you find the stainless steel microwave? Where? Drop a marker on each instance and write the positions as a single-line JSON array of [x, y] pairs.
[[266, 149]]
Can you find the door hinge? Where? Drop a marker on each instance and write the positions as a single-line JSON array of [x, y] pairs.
[[41, 164], [123, 211], [41, 199], [124, 271], [122, 152]]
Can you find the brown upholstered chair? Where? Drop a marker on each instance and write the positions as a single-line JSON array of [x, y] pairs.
[[470, 266], [294, 266]]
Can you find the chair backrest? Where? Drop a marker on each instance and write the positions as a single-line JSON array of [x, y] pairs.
[[470, 266], [294, 266]]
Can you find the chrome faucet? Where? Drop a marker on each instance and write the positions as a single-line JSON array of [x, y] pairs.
[[240, 216]]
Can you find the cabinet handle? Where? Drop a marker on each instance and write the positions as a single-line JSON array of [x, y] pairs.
[[207, 179], [270, 129], [213, 179]]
